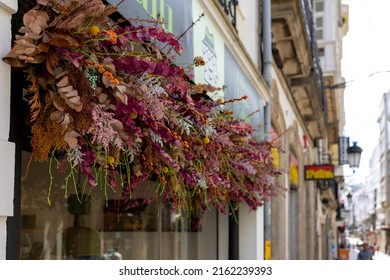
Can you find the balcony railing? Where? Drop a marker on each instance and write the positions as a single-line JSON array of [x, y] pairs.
[[309, 22], [230, 9]]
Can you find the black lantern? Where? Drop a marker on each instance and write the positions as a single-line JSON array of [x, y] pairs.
[[354, 153]]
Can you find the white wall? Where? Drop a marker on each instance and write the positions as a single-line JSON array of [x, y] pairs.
[[289, 114], [248, 27], [251, 233], [7, 149]]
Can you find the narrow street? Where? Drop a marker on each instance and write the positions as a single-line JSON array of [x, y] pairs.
[[354, 250]]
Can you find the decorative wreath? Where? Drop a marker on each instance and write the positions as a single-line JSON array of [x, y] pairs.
[[108, 101]]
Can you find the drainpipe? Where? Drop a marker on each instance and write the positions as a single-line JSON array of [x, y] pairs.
[[267, 204], [267, 74], [267, 43]]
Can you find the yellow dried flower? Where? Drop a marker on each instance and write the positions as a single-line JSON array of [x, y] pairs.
[[94, 30], [110, 160]]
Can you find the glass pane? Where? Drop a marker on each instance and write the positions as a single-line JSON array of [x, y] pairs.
[[102, 225], [319, 6], [319, 22], [321, 51], [319, 34]]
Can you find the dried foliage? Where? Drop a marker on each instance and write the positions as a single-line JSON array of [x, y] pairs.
[[112, 104]]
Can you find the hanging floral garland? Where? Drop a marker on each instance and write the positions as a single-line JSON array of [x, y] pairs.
[[110, 103]]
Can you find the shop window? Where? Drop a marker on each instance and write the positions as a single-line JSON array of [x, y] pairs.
[[99, 225], [62, 220]]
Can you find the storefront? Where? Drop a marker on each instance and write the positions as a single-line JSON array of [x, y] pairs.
[[57, 217], [101, 226]]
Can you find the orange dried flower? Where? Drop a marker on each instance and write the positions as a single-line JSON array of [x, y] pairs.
[[111, 35], [198, 61]]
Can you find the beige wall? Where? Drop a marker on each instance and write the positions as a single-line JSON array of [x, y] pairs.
[[286, 118]]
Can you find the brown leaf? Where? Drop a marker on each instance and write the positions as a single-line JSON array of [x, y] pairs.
[[38, 58], [45, 80], [121, 88], [106, 81], [29, 17], [144, 87], [49, 68], [122, 97], [21, 42], [43, 47], [36, 20], [65, 89], [63, 82], [109, 67], [110, 107], [98, 90], [64, 40], [57, 116], [58, 106], [137, 170], [43, 2], [67, 120], [34, 102], [29, 50], [12, 58], [36, 27], [78, 107], [15, 62], [70, 137], [59, 72], [74, 100], [73, 93], [102, 98], [117, 126], [42, 18], [22, 29]]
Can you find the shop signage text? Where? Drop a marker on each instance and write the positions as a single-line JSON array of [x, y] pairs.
[[319, 172]]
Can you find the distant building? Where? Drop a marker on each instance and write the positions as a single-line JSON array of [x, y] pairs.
[[383, 204]]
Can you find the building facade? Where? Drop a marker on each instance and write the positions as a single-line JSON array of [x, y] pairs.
[[307, 52], [382, 213], [331, 25], [370, 218]]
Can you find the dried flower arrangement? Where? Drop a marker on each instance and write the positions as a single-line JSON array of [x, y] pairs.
[[109, 102]]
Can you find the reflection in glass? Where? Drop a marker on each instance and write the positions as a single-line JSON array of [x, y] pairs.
[[102, 226]]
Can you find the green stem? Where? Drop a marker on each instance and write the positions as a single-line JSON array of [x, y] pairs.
[[51, 178]]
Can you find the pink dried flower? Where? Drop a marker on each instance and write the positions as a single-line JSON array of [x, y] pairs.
[[102, 128]]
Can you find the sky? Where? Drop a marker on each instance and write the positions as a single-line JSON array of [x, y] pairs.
[[366, 50]]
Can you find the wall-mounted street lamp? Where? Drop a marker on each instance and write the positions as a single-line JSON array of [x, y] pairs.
[[354, 154], [349, 154]]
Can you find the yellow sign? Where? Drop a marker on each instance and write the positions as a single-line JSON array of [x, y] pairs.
[[267, 250], [294, 170], [275, 155], [319, 172]]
